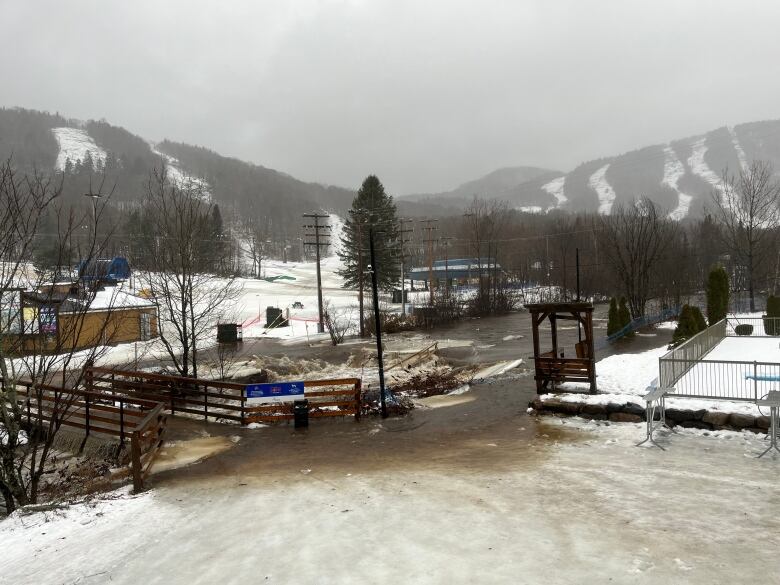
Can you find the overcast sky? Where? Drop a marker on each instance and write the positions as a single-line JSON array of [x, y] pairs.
[[425, 94]]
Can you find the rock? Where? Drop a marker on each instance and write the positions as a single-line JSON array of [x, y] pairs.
[[756, 430], [742, 421], [718, 420], [699, 414], [615, 407], [598, 416], [536, 404], [633, 408], [762, 422], [695, 424], [556, 405], [625, 417], [679, 415], [593, 409]]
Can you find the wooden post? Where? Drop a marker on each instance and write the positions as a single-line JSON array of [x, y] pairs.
[[358, 398], [135, 456], [86, 414], [121, 421], [535, 330], [205, 403]]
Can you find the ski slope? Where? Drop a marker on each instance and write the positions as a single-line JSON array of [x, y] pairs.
[[673, 172], [598, 182], [555, 188], [74, 145], [179, 176]]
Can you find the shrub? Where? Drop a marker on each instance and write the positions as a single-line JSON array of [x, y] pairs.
[[717, 294], [690, 323], [613, 322], [772, 317], [743, 329]]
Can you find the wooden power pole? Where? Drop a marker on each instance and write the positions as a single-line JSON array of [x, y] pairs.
[[429, 239], [317, 227]]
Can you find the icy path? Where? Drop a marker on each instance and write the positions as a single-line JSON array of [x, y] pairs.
[[697, 164], [598, 182], [466, 508], [673, 172], [555, 188], [74, 144], [743, 162]]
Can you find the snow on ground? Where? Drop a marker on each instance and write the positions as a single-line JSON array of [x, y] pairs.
[[530, 209], [699, 513], [74, 145], [673, 172], [625, 377], [555, 188], [179, 176], [697, 164], [741, 157], [598, 182]]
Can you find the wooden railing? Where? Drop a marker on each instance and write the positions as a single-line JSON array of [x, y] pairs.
[[224, 400], [47, 408]]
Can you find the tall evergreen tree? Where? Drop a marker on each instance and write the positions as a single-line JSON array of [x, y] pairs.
[[717, 294], [372, 209]]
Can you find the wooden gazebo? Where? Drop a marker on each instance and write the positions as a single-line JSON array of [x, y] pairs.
[[554, 366]]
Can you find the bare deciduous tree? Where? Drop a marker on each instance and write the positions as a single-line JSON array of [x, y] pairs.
[[633, 240], [748, 210], [338, 321], [192, 299]]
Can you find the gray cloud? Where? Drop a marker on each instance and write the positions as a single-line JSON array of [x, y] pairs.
[[424, 94]]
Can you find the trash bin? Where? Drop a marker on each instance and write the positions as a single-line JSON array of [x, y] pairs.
[[301, 413]]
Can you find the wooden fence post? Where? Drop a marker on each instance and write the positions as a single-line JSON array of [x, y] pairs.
[[135, 456], [358, 399]]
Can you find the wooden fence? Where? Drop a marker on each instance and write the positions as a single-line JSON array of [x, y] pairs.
[[224, 400], [141, 421]]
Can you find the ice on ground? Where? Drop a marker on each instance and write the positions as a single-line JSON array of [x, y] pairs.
[[673, 172], [75, 144], [598, 182], [697, 164], [556, 189], [495, 370]]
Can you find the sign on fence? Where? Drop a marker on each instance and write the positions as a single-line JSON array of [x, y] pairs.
[[278, 392]]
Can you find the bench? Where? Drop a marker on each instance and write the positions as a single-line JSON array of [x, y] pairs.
[[655, 401]]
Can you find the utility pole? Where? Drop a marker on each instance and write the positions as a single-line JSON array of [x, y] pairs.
[[445, 244], [403, 241], [428, 228], [359, 218], [377, 321], [317, 245]]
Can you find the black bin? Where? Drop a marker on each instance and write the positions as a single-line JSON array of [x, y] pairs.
[[301, 413]]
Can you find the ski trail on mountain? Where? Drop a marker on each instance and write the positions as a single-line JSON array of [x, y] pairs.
[[743, 163], [555, 188], [673, 172], [74, 144], [598, 182]]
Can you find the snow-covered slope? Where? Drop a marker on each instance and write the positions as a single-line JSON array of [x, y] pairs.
[[555, 188], [74, 145], [179, 176], [598, 182], [673, 172]]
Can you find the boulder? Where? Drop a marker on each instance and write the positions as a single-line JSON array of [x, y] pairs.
[[625, 417], [699, 414], [762, 422], [556, 405], [615, 407], [593, 409], [718, 420], [633, 408], [695, 424], [678, 415], [742, 421]]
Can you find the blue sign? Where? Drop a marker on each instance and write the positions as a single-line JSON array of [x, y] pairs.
[[275, 392]]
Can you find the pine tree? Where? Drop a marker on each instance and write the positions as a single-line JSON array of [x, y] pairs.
[[372, 209], [717, 294]]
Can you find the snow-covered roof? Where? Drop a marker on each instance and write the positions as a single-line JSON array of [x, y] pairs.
[[108, 298]]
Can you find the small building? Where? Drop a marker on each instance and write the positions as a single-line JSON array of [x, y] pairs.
[[61, 317], [458, 271]]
